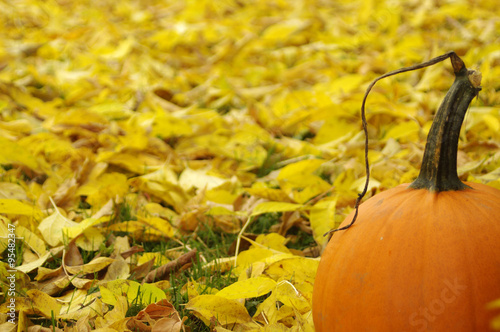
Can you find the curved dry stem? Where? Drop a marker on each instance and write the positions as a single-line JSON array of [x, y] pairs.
[[456, 61]]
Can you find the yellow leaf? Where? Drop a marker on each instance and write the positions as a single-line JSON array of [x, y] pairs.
[[44, 304], [492, 122], [136, 162], [406, 130], [52, 227], [27, 268], [287, 294], [157, 210], [322, 218], [147, 293], [90, 239], [12, 206], [5, 229], [75, 230], [271, 194], [267, 207], [273, 311], [159, 224], [199, 179], [335, 130], [222, 211], [298, 269], [300, 168], [224, 311], [33, 241], [95, 265], [273, 241], [105, 187], [163, 184], [252, 255], [160, 259], [119, 269], [77, 304], [139, 230], [299, 182], [306, 188], [120, 51], [80, 117], [283, 29], [345, 84], [52, 148], [136, 139], [13, 153], [111, 110], [114, 320], [12, 191], [249, 288], [169, 126], [194, 289]]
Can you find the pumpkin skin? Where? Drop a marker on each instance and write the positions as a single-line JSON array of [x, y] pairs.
[[414, 260]]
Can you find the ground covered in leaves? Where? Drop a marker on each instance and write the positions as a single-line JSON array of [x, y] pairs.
[[170, 165]]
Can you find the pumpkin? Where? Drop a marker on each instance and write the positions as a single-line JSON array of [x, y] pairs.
[[423, 256]]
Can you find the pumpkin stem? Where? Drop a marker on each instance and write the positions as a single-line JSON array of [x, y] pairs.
[[439, 164]]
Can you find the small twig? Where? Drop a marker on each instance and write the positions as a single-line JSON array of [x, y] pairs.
[[164, 271], [365, 126]]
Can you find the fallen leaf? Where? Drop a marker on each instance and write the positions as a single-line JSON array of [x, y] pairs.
[[248, 288], [224, 311]]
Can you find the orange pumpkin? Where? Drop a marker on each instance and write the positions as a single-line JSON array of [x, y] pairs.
[[423, 256]]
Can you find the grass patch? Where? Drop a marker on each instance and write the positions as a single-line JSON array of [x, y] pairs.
[[263, 223], [300, 240], [211, 243], [208, 278]]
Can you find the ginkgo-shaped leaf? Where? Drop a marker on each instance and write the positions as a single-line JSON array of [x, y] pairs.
[[224, 311], [248, 288]]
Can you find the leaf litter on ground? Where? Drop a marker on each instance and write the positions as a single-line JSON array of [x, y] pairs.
[[163, 162]]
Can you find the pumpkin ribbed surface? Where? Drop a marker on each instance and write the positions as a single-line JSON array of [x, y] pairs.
[[414, 260]]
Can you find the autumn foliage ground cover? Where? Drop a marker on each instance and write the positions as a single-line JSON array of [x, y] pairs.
[[175, 164]]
